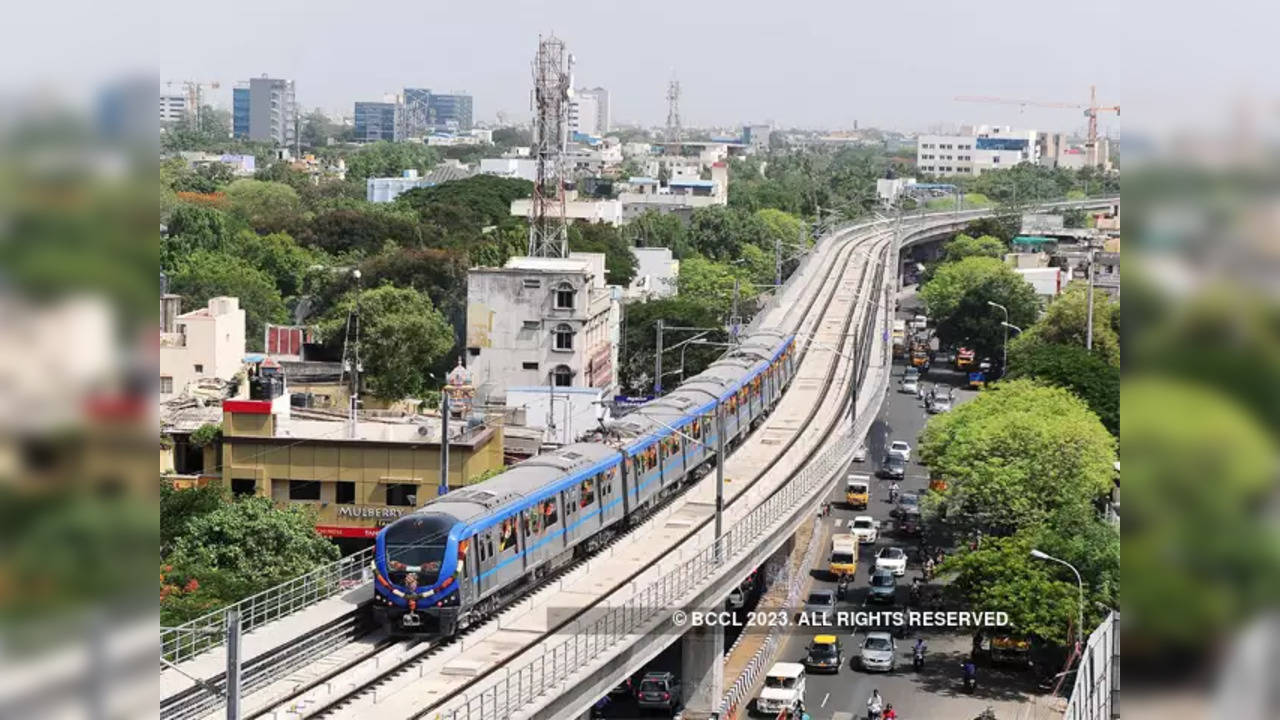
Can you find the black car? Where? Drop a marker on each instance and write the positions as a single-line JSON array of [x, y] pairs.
[[824, 654]]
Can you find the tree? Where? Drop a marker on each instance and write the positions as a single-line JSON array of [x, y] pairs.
[[266, 206], [204, 275], [317, 128], [655, 229], [278, 256], [1199, 473], [964, 246], [1015, 456], [710, 284], [720, 232], [1074, 368], [1002, 227], [438, 273], [402, 336], [786, 229], [639, 342], [507, 137], [620, 262], [1065, 322], [236, 550], [364, 230], [179, 506], [957, 297], [191, 228], [465, 205], [389, 159]]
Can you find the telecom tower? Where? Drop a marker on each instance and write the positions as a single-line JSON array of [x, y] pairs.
[[552, 90], [673, 111]]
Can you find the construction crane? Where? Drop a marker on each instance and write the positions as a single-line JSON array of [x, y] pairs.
[[1090, 111], [195, 95]]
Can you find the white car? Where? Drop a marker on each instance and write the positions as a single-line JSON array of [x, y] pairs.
[[902, 449], [892, 559], [863, 527], [910, 386], [860, 454]]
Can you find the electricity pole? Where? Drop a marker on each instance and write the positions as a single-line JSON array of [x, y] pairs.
[[657, 363], [1088, 333], [444, 444], [719, 480]]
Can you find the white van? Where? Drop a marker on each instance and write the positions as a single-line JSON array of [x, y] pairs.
[[783, 688]]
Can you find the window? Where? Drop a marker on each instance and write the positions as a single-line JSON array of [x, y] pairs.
[[507, 535], [199, 368], [532, 522], [563, 336], [563, 376], [474, 351], [304, 490], [529, 366], [346, 492], [549, 515], [532, 324], [588, 494], [532, 283], [402, 494], [564, 296], [166, 385], [243, 486]]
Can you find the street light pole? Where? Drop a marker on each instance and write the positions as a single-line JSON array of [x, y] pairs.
[[1079, 584], [657, 362], [1088, 332], [1004, 358]]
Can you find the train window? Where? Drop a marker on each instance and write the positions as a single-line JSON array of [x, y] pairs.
[[532, 523], [588, 494], [481, 554], [489, 542], [507, 535], [549, 515]]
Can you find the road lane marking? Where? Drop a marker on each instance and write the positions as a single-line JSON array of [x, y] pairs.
[[824, 700]]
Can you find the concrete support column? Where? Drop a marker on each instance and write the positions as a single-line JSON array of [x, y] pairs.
[[702, 660]]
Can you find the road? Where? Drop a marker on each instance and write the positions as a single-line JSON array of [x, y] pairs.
[[935, 691]]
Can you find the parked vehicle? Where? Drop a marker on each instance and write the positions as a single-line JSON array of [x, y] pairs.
[[659, 690], [783, 688]]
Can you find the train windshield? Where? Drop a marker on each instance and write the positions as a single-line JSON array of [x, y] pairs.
[[416, 544]]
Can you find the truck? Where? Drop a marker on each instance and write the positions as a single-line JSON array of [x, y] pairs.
[[844, 555], [899, 338], [783, 689]]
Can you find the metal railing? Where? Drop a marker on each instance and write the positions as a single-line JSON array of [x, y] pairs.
[[1097, 675], [181, 643], [593, 638]]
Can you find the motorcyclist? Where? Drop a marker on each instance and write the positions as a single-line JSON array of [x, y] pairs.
[[597, 710], [875, 705], [889, 712], [970, 675], [893, 492], [928, 569], [917, 654]]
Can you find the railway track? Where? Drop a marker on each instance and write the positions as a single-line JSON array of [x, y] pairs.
[[371, 689]]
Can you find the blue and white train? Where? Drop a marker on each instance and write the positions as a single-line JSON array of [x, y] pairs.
[[465, 555]]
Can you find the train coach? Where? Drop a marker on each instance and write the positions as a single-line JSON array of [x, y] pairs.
[[467, 554]]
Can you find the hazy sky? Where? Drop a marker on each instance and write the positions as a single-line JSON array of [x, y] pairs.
[[796, 63]]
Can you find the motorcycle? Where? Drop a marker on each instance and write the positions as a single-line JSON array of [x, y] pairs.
[[970, 677], [915, 595], [917, 659]]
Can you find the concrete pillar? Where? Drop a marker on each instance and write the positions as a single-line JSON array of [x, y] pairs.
[[702, 661]]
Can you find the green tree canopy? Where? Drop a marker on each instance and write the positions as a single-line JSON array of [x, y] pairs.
[[964, 246], [957, 298], [1016, 455], [317, 128], [191, 228], [1066, 319], [1073, 368], [265, 206], [278, 256], [655, 229], [402, 336], [710, 284], [720, 232], [620, 262], [179, 506], [640, 342], [1198, 472], [236, 550], [389, 159], [464, 206], [204, 275], [364, 229]]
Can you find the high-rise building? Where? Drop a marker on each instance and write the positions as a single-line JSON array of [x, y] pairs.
[[415, 116], [376, 121], [240, 110], [976, 150], [589, 112], [265, 110], [450, 112], [173, 109]]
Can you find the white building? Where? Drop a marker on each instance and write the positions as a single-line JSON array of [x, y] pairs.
[[204, 343], [510, 167], [590, 112], [682, 193], [594, 158], [173, 108], [656, 271], [603, 211], [756, 137], [976, 150], [1047, 281], [382, 190], [637, 150], [888, 190], [549, 323]]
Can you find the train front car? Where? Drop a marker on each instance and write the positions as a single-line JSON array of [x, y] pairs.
[[417, 561]]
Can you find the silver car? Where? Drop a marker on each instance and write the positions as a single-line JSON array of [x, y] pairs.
[[820, 602], [879, 652]]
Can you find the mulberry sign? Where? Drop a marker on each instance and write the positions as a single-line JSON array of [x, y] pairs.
[[369, 512]]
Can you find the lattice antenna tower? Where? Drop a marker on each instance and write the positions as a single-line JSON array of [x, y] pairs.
[[673, 111], [552, 90]]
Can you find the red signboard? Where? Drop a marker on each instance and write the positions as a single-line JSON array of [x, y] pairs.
[[347, 532], [251, 407], [600, 366], [286, 340]]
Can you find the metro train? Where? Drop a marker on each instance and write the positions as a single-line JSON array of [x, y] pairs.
[[465, 555]]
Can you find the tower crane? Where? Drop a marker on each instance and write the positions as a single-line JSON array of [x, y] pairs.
[[1090, 111], [195, 94]]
